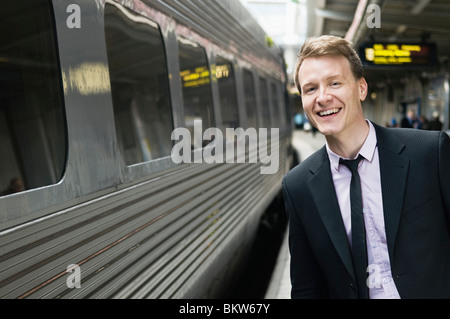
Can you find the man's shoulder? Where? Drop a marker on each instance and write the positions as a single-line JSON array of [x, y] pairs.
[[303, 170], [406, 136]]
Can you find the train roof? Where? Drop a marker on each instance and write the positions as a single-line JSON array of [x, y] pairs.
[[227, 22]]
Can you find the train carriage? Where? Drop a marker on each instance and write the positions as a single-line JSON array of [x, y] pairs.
[[91, 93]]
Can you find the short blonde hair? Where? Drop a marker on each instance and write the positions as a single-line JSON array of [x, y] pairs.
[[329, 45]]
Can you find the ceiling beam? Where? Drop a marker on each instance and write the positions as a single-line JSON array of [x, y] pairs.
[[334, 15], [423, 22], [420, 5], [359, 13]]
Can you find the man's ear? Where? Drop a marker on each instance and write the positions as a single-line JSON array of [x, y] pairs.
[[363, 89]]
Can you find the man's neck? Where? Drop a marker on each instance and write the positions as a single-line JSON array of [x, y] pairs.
[[348, 143]]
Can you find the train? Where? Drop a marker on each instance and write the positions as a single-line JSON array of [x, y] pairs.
[[93, 204]]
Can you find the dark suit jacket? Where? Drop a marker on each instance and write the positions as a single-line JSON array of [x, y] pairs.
[[415, 180]]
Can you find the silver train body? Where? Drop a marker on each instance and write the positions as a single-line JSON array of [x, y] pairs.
[[101, 225]]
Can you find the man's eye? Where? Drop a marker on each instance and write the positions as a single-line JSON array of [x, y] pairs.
[[310, 90], [335, 83]]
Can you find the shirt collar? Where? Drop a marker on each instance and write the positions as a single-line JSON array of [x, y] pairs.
[[367, 150]]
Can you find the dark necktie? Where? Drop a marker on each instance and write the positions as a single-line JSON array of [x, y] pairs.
[[359, 251]]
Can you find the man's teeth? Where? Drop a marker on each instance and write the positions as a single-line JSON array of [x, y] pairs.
[[328, 112]]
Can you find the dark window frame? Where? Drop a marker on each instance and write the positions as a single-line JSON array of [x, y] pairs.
[[32, 99], [148, 110], [194, 76], [226, 83]]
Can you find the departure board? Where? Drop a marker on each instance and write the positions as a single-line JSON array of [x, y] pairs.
[[398, 55]]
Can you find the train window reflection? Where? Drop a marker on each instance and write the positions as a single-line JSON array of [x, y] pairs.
[[275, 106], [196, 84], [139, 85], [227, 93], [265, 110], [250, 100], [32, 121]]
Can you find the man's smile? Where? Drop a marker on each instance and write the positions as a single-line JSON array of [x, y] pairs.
[[329, 112]]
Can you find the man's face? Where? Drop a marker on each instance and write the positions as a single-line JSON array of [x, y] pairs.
[[331, 95]]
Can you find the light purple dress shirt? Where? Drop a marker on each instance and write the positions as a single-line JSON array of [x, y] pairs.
[[380, 280]]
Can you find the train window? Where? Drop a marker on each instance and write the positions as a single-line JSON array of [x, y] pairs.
[[196, 84], [32, 121], [227, 93], [139, 85], [250, 99], [265, 108], [275, 105]]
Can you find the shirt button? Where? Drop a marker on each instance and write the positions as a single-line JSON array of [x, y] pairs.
[[385, 281]]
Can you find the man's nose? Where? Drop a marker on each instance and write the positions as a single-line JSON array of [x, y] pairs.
[[323, 97]]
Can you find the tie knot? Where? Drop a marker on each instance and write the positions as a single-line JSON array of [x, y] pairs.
[[351, 164]]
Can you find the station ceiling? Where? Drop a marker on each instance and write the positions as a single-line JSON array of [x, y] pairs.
[[406, 21]]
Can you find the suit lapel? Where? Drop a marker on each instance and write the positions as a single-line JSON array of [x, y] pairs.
[[394, 172], [324, 195]]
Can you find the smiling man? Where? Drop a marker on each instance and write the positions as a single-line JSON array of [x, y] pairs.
[[369, 212]]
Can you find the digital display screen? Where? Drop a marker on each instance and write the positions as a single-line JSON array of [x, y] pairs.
[[400, 55]]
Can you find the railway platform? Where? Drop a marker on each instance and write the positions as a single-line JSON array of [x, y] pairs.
[[305, 143]]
